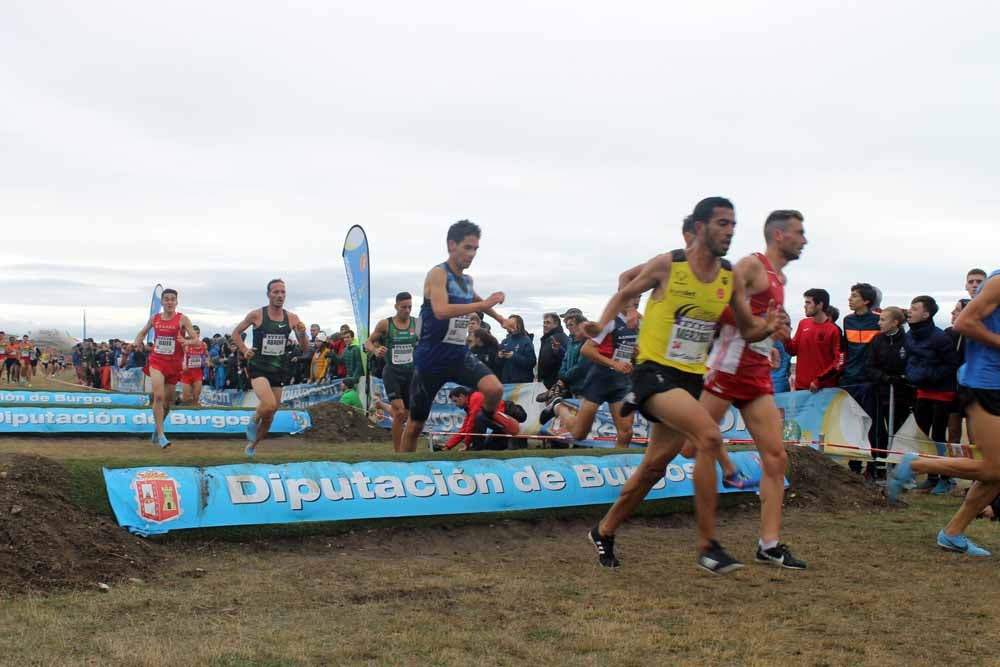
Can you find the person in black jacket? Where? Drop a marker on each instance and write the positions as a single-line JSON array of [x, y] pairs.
[[553, 349], [958, 340], [887, 369], [931, 366], [485, 347]]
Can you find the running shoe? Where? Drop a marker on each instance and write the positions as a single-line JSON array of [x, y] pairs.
[[900, 476], [605, 545], [163, 442], [252, 430], [155, 439], [961, 544], [926, 485], [739, 480], [943, 487], [714, 559], [779, 556], [250, 450], [549, 411]]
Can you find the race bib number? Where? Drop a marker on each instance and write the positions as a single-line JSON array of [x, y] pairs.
[[194, 361], [25, 353], [273, 345], [458, 330], [624, 353], [402, 355], [165, 345], [763, 347], [690, 340]]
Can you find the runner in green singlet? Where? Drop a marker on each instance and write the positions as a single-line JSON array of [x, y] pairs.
[[394, 339]]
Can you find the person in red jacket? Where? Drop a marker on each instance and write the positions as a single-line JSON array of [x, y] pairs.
[[476, 423], [816, 343]]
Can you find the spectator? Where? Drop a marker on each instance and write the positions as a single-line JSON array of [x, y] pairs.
[[517, 355], [956, 417], [931, 367], [887, 369], [485, 347], [320, 358], [475, 322], [476, 423], [973, 279], [350, 396], [335, 368], [816, 344], [860, 327], [350, 359], [314, 331], [552, 350], [574, 368], [782, 362]]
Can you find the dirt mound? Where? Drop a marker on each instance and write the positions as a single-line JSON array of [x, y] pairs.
[[46, 541], [336, 422], [816, 481]]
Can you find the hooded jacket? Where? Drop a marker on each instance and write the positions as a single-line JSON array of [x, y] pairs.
[[521, 366], [549, 358], [932, 360]]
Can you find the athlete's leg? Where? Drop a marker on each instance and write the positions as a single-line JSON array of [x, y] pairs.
[[185, 393], [623, 425], [764, 424], [399, 415], [196, 392], [160, 406], [717, 407], [492, 391], [987, 470], [983, 491], [423, 388], [578, 422], [268, 399]]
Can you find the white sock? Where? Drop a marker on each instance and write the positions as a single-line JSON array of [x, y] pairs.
[[767, 545]]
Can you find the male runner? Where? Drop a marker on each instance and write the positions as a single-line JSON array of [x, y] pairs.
[[979, 395], [164, 367], [612, 353], [266, 360], [3, 355], [441, 354], [394, 340], [27, 355], [691, 289], [13, 362], [739, 373], [193, 375]]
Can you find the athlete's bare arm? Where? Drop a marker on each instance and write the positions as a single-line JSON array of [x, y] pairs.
[[500, 319], [192, 337], [754, 275], [253, 318], [754, 328], [970, 320], [142, 334], [629, 275], [436, 289], [589, 351], [375, 341], [299, 327], [654, 273]]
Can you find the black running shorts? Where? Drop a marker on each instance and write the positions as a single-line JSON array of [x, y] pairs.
[[397, 383], [650, 378], [426, 384], [987, 399], [276, 378]]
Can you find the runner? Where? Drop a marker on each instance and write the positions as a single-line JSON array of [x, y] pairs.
[[739, 373], [394, 340], [164, 367], [266, 360], [979, 395], [193, 374], [691, 288], [441, 354], [612, 353], [26, 354], [13, 362], [3, 355]]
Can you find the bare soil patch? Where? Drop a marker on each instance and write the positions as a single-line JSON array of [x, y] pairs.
[[816, 481], [336, 422], [46, 541]]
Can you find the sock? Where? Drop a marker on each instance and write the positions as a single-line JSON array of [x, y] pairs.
[[767, 545]]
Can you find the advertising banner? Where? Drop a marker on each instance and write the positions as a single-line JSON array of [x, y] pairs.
[[298, 396], [72, 398], [157, 500], [40, 419], [154, 308], [356, 264]]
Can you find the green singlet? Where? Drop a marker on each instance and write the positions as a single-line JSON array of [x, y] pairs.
[[400, 344], [270, 340]]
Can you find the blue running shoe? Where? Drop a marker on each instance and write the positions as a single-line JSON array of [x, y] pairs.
[[155, 440], [901, 476], [943, 487], [738, 480], [250, 450], [252, 430], [163, 442], [961, 544]]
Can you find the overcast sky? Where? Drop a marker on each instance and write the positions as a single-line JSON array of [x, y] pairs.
[[213, 146]]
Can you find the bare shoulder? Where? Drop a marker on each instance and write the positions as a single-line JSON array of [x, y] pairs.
[[254, 317], [293, 319]]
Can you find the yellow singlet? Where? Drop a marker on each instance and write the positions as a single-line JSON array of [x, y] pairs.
[[678, 328]]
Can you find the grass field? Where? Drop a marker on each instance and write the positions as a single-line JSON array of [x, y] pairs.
[[511, 589]]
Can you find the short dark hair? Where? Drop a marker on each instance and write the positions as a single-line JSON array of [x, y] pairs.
[[866, 292], [819, 296], [687, 227], [270, 283], [779, 220], [403, 296], [169, 290], [976, 272], [458, 391], [703, 210], [350, 383], [463, 228], [833, 313], [930, 305]]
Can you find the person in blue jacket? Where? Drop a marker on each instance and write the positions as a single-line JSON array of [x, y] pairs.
[[517, 355]]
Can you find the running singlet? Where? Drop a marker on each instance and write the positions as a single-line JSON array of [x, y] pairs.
[[269, 342], [617, 341], [731, 352], [677, 329], [194, 356], [981, 369], [400, 344], [166, 346], [27, 350], [443, 342]]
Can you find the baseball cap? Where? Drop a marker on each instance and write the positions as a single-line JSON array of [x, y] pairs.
[[321, 337], [572, 311]]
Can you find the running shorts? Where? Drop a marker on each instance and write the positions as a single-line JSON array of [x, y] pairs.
[[397, 384], [277, 378], [987, 399], [192, 375], [738, 389], [171, 372], [425, 385], [650, 378], [603, 385]]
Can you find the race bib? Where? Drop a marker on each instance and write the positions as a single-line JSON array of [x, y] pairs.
[[624, 353], [402, 355], [763, 347], [25, 353], [273, 345], [458, 330], [690, 340], [165, 345], [194, 361]]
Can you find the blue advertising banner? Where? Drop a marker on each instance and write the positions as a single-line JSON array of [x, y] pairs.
[[157, 500], [298, 396], [72, 398], [128, 380], [356, 264], [36, 419], [154, 308]]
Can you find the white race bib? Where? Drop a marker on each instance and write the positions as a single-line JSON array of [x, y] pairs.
[[273, 345], [690, 340], [165, 345], [763, 347], [458, 331], [624, 353], [194, 361], [402, 355]]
